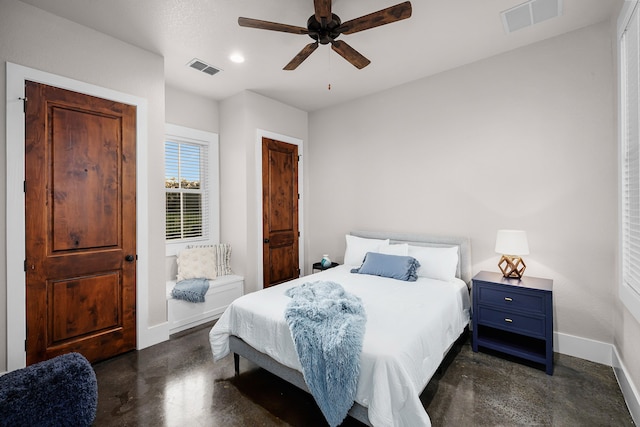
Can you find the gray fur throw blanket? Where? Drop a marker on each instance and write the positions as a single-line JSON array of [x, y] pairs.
[[327, 326], [191, 290]]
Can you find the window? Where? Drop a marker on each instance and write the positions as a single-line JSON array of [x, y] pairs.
[[185, 186], [629, 71], [191, 188]]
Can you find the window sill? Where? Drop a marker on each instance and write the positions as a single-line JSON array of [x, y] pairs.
[[631, 299]]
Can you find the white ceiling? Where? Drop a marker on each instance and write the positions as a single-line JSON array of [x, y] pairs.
[[440, 35]]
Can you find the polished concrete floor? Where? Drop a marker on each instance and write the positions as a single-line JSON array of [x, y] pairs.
[[176, 383]]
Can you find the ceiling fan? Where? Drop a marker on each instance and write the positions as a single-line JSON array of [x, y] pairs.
[[324, 27]]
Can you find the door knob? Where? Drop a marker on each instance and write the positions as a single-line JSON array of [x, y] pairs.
[[266, 240], [129, 258]]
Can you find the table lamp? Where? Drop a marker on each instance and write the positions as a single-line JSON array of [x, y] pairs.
[[512, 244]]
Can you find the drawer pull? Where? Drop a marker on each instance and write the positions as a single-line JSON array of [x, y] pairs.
[[508, 299], [508, 320]]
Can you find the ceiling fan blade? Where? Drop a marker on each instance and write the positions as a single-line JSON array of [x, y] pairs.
[[272, 26], [382, 17], [323, 10], [350, 54], [301, 56]]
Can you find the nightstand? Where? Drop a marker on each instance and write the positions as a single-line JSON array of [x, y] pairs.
[[318, 266], [514, 316]]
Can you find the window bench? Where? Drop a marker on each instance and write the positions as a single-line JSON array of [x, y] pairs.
[[184, 315]]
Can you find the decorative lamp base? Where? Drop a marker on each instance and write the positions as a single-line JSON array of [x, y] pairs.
[[512, 266]]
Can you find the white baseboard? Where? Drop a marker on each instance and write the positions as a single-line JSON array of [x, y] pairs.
[[606, 354], [153, 335], [629, 391], [584, 348]]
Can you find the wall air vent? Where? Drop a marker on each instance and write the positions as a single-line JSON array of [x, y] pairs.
[[203, 66], [530, 13]]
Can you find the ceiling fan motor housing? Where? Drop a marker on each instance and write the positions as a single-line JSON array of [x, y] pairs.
[[324, 34]]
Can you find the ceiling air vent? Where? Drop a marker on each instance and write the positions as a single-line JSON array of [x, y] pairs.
[[530, 13], [203, 66]]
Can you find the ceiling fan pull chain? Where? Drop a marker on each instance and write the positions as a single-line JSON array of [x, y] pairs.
[[329, 73]]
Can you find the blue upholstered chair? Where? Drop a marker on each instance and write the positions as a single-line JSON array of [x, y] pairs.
[[62, 391]]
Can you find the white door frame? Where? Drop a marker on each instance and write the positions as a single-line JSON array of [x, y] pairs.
[[259, 241], [15, 202]]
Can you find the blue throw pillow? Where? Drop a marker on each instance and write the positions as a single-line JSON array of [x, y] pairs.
[[393, 266]]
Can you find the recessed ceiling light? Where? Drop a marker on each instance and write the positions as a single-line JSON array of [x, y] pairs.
[[237, 58]]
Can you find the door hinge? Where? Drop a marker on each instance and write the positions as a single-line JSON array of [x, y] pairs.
[[24, 186], [299, 157], [25, 345], [25, 265], [298, 196]]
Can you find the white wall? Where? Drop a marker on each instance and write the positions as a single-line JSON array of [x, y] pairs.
[[39, 40], [191, 110], [195, 112], [241, 116], [522, 140]]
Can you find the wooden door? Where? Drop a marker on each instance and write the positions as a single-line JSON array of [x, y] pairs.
[[80, 185], [280, 211]]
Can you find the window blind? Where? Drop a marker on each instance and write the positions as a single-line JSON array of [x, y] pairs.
[[630, 53], [187, 213]]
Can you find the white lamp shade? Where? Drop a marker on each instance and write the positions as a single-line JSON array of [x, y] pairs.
[[512, 242]]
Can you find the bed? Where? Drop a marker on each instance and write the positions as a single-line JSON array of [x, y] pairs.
[[410, 326]]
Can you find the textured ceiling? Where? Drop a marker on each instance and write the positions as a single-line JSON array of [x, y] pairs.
[[440, 35]]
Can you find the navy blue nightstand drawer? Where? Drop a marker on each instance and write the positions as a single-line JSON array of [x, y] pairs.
[[514, 322], [505, 297]]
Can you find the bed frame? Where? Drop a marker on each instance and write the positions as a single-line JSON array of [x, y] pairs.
[[239, 348]]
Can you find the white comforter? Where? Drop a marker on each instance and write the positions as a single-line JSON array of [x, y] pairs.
[[410, 327]]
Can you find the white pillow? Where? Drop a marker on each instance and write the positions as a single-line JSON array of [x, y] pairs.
[[357, 248], [222, 257], [197, 263], [436, 263], [401, 249]]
